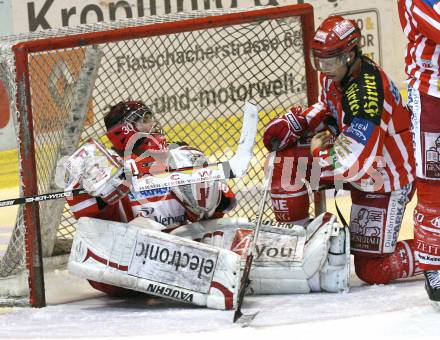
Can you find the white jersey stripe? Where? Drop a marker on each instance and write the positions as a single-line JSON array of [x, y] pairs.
[[122, 212], [296, 194], [405, 156], [410, 257], [83, 204], [423, 52], [392, 166], [428, 19]]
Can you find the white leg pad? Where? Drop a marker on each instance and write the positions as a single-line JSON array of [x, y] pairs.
[[293, 259], [288, 258], [335, 274], [156, 263]]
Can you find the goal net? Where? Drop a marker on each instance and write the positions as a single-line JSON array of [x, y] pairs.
[[194, 70]]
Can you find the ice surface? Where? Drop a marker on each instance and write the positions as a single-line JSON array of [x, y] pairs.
[[400, 310]]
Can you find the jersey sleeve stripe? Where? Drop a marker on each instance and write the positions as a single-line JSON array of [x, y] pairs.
[[83, 205], [296, 194], [392, 166], [426, 18]]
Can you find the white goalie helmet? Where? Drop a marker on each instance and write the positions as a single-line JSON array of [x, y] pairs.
[[201, 199]]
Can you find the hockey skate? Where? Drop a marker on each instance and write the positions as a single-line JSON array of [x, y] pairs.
[[432, 286]]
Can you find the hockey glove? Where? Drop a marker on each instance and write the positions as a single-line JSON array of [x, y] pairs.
[[98, 171], [287, 129]]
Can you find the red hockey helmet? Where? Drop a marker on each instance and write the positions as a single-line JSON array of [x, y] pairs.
[[121, 122], [334, 39]]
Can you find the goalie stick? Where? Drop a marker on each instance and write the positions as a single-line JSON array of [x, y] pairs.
[[239, 317], [232, 168]]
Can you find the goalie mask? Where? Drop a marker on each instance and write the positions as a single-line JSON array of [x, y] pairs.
[[130, 118], [335, 38], [200, 199]]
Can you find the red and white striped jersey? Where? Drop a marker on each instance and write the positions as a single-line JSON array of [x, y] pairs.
[[161, 205], [373, 149], [420, 20]]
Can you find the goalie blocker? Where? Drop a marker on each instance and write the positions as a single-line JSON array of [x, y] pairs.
[[289, 259]]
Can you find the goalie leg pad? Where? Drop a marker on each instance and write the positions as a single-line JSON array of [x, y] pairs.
[[335, 274], [320, 261], [288, 258], [156, 263]]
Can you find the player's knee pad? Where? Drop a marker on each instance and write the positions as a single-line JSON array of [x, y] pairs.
[[374, 269], [376, 220], [427, 224], [290, 200]]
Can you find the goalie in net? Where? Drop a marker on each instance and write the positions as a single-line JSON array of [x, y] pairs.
[[133, 131], [198, 262], [356, 137]]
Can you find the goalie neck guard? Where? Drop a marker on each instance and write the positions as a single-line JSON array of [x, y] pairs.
[[126, 119]]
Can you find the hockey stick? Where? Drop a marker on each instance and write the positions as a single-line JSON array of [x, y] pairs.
[[232, 168], [41, 198], [239, 317]]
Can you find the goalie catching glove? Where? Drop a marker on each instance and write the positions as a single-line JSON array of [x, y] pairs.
[[98, 171], [286, 129]]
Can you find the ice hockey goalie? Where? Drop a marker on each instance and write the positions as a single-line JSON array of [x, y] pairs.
[[139, 144], [130, 241], [201, 262]]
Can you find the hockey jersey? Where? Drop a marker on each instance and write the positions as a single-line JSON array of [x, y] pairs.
[[373, 150], [420, 20], [161, 205]]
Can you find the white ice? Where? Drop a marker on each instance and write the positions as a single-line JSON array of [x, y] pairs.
[[397, 311]]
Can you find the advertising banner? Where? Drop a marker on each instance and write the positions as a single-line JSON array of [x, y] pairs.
[[382, 38]]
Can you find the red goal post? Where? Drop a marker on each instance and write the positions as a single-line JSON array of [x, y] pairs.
[[195, 70]]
